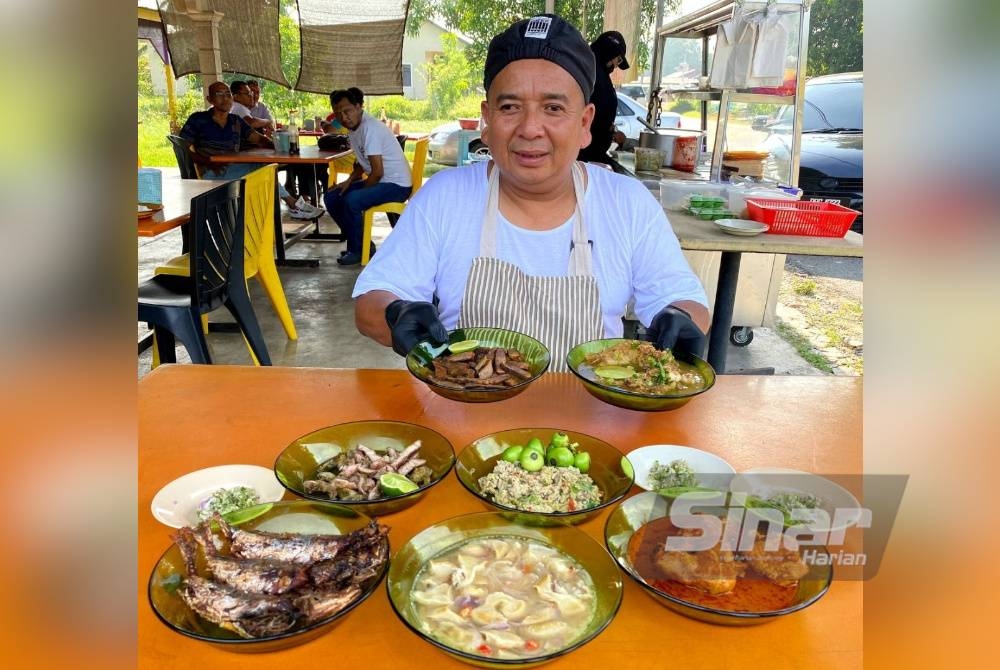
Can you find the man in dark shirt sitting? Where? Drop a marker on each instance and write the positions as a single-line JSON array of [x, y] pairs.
[[216, 131]]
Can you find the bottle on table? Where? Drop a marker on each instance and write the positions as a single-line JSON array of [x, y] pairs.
[[293, 132]]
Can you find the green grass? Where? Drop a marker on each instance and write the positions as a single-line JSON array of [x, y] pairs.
[[804, 287], [803, 347]]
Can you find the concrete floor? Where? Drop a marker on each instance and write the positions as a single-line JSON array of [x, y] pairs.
[[321, 305]]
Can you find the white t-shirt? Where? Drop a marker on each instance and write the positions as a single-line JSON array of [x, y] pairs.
[[240, 110], [373, 138], [635, 252]]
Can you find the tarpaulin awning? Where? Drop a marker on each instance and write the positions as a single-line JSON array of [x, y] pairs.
[[352, 44], [249, 42]]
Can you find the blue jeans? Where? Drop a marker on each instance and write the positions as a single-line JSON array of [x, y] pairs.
[[348, 209], [238, 171]]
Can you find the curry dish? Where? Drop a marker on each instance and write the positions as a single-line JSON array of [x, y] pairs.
[[640, 367], [753, 581]]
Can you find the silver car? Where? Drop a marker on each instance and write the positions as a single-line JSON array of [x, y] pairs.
[[443, 146]]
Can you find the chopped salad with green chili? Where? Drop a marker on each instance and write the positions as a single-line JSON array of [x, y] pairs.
[[228, 500]]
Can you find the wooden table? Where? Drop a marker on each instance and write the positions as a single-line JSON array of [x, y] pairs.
[[695, 234], [192, 417], [308, 155], [177, 194]]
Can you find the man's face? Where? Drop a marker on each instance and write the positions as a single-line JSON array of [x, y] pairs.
[[243, 96], [348, 113], [255, 91], [219, 97], [537, 122]]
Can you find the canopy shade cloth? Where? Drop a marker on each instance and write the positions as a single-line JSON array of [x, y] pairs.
[[343, 42]]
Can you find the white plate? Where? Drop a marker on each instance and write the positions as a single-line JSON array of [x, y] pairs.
[[711, 470], [744, 227], [842, 508], [176, 504]]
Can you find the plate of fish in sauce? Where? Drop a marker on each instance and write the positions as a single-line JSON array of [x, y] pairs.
[[268, 577]]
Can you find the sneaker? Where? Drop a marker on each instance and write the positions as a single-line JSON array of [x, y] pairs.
[[350, 258], [301, 214], [315, 211]]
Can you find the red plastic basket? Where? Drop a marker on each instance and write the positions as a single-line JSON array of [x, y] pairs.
[[802, 217]]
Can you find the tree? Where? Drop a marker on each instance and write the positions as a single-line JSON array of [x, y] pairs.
[[480, 20], [145, 76], [449, 77], [836, 37]]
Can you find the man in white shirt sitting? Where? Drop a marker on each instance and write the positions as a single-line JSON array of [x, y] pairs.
[[242, 102], [259, 109], [378, 155]]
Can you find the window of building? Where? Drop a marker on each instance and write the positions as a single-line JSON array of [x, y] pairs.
[[407, 75]]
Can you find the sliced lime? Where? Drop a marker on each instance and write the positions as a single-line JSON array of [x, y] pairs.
[[463, 346], [246, 514], [627, 468], [394, 484], [614, 371]]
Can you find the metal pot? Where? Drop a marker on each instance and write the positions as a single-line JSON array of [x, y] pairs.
[[659, 140]]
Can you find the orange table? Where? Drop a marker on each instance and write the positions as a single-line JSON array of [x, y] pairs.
[[177, 194], [193, 417]]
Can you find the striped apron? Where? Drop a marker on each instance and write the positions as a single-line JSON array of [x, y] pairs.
[[560, 312]]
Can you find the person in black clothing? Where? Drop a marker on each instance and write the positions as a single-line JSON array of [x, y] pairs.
[[609, 53]]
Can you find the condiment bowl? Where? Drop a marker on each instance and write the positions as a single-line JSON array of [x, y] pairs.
[[613, 395], [420, 362], [606, 469], [300, 460], [637, 511], [840, 509], [299, 516], [445, 535], [710, 470]]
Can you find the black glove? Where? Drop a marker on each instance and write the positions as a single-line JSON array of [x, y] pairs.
[[413, 322], [673, 329]]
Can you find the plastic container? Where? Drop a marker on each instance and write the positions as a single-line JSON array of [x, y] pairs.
[[793, 217], [675, 193], [687, 152], [150, 186], [648, 159], [713, 202], [738, 197], [281, 141]]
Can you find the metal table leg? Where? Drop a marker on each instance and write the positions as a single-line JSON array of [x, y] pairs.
[[722, 313]]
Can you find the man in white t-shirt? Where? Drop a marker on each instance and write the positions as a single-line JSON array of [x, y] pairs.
[[242, 102], [378, 155], [533, 241]]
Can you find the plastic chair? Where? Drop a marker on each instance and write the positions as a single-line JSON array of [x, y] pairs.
[[172, 304], [182, 152], [258, 257], [416, 175]]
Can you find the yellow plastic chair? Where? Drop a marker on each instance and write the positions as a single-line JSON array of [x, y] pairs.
[[258, 256], [417, 175]]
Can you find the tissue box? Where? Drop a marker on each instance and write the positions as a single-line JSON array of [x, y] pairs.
[[150, 186]]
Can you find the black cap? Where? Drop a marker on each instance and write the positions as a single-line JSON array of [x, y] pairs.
[[547, 37], [608, 45]]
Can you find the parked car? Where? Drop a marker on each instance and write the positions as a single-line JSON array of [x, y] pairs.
[[636, 91], [443, 145], [831, 160]]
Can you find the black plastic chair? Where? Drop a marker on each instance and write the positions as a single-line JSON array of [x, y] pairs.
[[172, 305], [182, 152]]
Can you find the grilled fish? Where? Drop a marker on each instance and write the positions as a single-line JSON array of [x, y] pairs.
[[288, 547], [246, 614]]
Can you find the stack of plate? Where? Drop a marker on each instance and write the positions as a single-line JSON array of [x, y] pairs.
[[744, 227]]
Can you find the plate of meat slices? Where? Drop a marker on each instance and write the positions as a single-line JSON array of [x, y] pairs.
[[268, 577]]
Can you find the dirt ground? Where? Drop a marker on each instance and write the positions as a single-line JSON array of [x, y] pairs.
[[828, 315]]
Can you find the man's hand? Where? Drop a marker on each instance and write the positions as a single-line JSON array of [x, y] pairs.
[[673, 329], [413, 322], [619, 137]]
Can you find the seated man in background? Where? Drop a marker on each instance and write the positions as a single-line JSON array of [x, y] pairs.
[[242, 102], [216, 131], [259, 109], [378, 155]]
